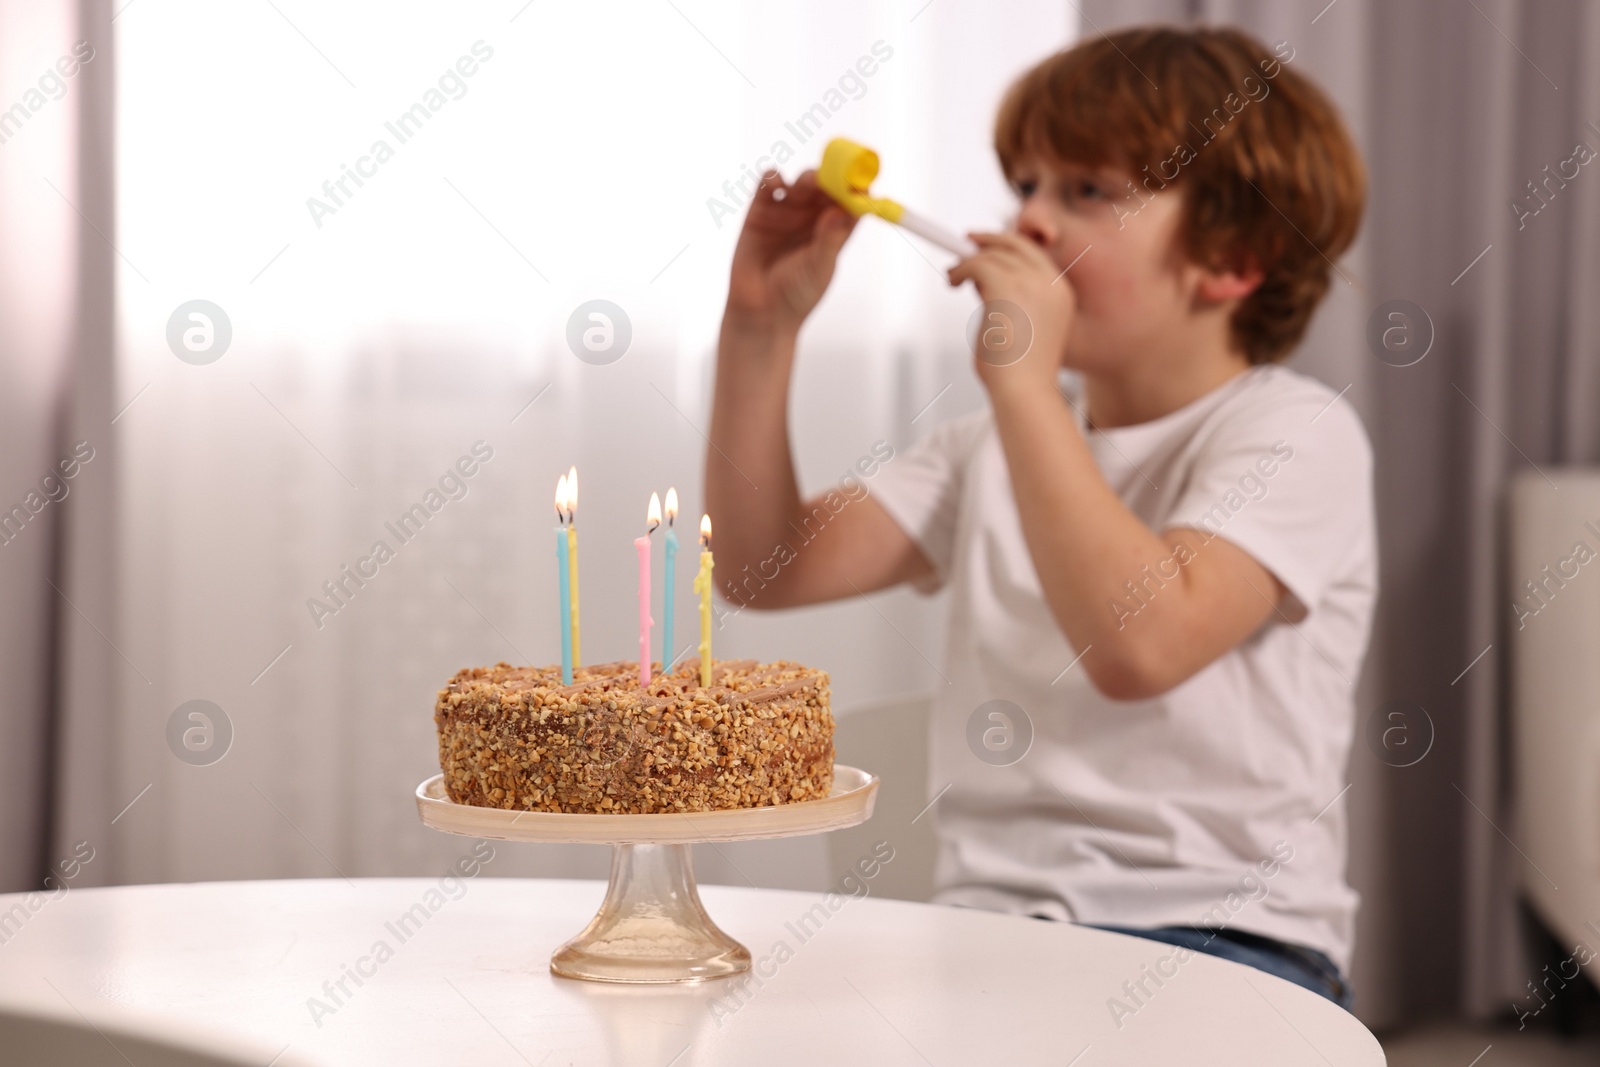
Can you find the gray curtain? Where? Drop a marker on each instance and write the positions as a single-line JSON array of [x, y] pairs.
[[55, 391], [89, 667], [1456, 107]]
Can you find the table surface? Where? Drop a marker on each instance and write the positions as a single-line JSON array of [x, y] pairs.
[[879, 982]]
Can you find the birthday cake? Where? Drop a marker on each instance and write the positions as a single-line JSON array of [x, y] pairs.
[[515, 737]]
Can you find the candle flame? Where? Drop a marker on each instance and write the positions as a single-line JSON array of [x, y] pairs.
[[572, 494], [672, 504], [561, 499], [705, 531], [654, 515]]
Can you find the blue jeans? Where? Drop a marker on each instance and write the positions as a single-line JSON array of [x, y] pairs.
[[1296, 963]]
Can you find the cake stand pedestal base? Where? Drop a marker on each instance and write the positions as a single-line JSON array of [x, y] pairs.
[[652, 926]]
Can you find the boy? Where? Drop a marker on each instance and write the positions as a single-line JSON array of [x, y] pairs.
[[1170, 569]]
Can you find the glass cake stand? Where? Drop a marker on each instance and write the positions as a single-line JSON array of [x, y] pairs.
[[651, 926]]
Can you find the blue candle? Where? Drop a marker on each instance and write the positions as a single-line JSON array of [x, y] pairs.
[[670, 590], [565, 582]]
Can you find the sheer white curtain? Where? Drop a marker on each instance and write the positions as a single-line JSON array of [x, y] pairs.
[[380, 328]]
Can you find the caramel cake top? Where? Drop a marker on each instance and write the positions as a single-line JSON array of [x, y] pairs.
[[744, 681]]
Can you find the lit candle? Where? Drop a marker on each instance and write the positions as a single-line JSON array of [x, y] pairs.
[[702, 585], [562, 578], [670, 583], [643, 545], [572, 558]]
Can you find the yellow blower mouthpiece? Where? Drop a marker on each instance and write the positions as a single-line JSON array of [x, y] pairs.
[[846, 174]]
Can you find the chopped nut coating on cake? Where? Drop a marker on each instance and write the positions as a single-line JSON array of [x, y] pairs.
[[515, 737]]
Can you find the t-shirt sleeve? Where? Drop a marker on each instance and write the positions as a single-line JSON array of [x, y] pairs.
[[921, 490], [1287, 478]]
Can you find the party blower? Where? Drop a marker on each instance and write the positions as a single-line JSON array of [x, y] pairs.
[[846, 174]]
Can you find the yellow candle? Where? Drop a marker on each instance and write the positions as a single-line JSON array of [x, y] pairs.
[[572, 557], [702, 585]]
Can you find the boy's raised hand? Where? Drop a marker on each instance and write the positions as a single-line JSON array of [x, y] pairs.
[[786, 252], [1011, 268]]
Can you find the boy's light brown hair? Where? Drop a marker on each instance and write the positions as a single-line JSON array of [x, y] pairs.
[[1268, 172]]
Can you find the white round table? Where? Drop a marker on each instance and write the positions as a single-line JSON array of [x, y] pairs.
[[333, 972]]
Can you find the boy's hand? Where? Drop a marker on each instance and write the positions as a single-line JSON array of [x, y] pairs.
[[786, 252], [1009, 267]]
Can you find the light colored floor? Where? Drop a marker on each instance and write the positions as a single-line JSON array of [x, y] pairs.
[[1483, 1046]]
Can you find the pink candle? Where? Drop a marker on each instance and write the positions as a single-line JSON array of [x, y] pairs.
[[643, 546]]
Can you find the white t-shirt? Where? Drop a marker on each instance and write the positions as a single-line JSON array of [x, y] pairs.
[[1218, 803]]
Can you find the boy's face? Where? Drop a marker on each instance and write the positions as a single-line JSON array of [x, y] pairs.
[[1138, 299]]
